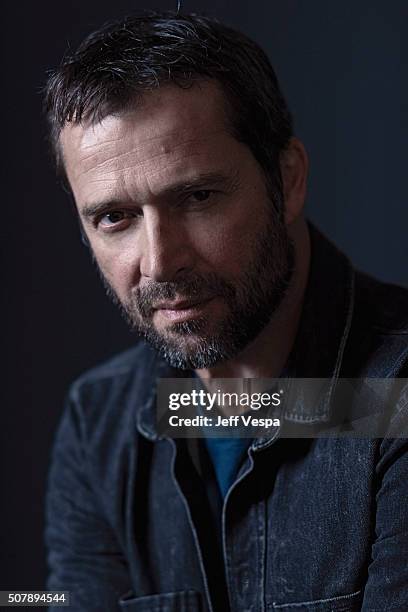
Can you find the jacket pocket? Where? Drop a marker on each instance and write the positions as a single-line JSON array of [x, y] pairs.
[[182, 601], [343, 603]]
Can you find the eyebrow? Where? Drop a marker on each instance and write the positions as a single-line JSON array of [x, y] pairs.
[[210, 179], [91, 210]]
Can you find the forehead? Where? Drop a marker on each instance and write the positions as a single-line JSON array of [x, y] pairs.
[[172, 129]]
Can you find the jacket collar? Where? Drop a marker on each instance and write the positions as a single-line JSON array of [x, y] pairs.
[[318, 348], [324, 326]]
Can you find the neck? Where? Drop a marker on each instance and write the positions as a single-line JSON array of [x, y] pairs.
[[266, 356]]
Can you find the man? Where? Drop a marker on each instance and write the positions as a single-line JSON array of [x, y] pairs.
[[178, 148]]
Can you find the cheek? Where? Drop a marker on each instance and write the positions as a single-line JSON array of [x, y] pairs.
[[227, 246], [119, 269]]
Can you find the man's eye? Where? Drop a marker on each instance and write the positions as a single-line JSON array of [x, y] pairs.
[[113, 218], [202, 195]]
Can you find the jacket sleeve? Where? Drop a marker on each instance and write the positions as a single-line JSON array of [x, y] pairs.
[[387, 584], [83, 553]]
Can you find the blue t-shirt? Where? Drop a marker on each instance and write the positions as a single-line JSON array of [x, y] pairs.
[[226, 455]]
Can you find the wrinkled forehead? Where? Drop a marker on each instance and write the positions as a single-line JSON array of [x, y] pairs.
[[163, 118], [173, 133]]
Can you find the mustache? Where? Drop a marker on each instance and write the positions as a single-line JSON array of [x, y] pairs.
[[193, 287]]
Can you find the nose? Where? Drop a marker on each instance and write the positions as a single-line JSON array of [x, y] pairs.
[[166, 252]]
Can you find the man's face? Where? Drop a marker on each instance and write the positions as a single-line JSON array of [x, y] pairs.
[[180, 223]]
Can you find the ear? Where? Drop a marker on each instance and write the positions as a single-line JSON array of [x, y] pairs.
[[294, 167]]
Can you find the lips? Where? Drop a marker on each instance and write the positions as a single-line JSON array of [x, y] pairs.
[[180, 310], [180, 305]]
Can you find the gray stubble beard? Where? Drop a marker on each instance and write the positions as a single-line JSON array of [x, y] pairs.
[[251, 303]]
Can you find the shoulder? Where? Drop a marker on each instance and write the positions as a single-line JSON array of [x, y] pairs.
[[108, 396], [97, 437], [98, 425], [137, 363], [385, 304], [377, 345], [120, 365]]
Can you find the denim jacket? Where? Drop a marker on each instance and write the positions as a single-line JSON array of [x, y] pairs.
[[312, 524]]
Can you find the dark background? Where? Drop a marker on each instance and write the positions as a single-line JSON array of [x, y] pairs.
[[343, 68]]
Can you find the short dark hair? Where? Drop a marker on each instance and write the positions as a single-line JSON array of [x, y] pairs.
[[125, 59]]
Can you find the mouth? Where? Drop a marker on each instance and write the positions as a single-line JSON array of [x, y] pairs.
[[182, 310]]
